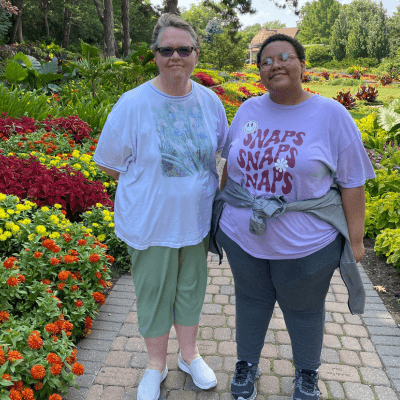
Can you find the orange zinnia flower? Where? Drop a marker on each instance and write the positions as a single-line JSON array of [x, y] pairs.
[[48, 243], [67, 237], [4, 316], [99, 298], [27, 394], [14, 356], [73, 252], [38, 385], [61, 286], [37, 254], [70, 259], [54, 261], [21, 278], [103, 283], [9, 262], [94, 258], [46, 281], [78, 369], [56, 369], [14, 395], [12, 281], [56, 249], [110, 258], [63, 275], [53, 358], [78, 303], [52, 328], [38, 372], [81, 242], [35, 342], [98, 274], [7, 377], [55, 396], [18, 385], [74, 288]]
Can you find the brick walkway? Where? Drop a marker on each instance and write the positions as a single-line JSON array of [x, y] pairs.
[[360, 355]]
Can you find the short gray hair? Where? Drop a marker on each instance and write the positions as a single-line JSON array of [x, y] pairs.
[[168, 20]]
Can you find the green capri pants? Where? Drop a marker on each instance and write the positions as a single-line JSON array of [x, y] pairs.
[[170, 286]]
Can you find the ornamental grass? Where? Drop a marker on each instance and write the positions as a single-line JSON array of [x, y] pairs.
[[51, 278]]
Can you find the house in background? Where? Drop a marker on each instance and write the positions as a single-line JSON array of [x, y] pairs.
[[258, 40]]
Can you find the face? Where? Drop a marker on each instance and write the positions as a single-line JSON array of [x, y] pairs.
[[175, 68], [278, 78]]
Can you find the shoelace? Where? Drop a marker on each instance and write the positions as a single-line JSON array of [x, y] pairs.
[[309, 381], [242, 370]]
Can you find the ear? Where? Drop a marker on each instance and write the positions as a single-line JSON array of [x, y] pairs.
[[197, 52], [303, 66]]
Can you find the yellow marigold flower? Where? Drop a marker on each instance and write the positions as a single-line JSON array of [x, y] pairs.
[[85, 174], [101, 238], [106, 212], [20, 207], [3, 214], [107, 218], [25, 221], [11, 154], [31, 237], [75, 154], [54, 235], [99, 205], [106, 184], [45, 209], [42, 159], [88, 212], [15, 229], [88, 230], [77, 166], [11, 212], [2, 196], [96, 225], [33, 153], [3, 237], [111, 225], [58, 206], [41, 229]]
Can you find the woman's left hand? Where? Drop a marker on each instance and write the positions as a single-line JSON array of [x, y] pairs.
[[358, 251]]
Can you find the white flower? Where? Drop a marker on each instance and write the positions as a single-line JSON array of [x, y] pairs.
[[281, 165]]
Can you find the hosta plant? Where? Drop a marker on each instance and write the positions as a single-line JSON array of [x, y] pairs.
[[368, 94], [346, 99]]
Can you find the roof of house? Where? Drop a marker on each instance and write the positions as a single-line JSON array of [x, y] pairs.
[[266, 33]]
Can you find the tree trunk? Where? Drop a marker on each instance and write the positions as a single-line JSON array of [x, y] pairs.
[[18, 24], [45, 4], [171, 6], [109, 39], [126, 49], [67, 26]]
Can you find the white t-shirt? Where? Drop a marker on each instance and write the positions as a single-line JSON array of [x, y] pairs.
[[164, 149], [296, 151]]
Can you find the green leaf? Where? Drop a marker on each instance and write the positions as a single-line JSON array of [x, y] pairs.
[[14, 73], [388, 118], [24, 59], [89, 51], [47, 68]]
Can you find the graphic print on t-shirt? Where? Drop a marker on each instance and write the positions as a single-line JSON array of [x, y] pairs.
[[267, 156], [184, 145]]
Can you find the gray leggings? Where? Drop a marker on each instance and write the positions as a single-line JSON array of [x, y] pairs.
[[298, 285]]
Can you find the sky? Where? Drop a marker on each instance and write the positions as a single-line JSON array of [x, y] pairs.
[[267, 11]]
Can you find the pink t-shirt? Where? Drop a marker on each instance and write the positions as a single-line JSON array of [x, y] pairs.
[[298, 152]]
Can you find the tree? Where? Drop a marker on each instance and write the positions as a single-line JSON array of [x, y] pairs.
[[67, 22], [171, 6], [274, 25], [198, 16], [45, 6], [316, 21], [394, 31], [125, 27], [338, 39], [18, 23], [107, 19]]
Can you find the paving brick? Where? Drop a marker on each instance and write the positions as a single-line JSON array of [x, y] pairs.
[[229, 310], [123, 288], [91, 367], [283, 337], [385, 393], [94, 392], [337, 372], [330, 297], [277, 323], [112, 393], [367, 345], [229, 364], [287, 386], [380, 322], [385, 340], [222, 333], [393, 373], [374, 376], [338, 317], [85, 380], [283, 368], [206, 333], [211, 309], [231, 321], [331, 341], [221, 280], [214, 362], [118, 359], [270, 337], [212, 289], [265, 366], [213, 320], [377, 314], [181, 395], [371, 293], [396, 383], [227, 348], [384, 331], [333, 329], [375, 307], [173, 347], [355, 330], [388, 350], [129, 330], [370, 360], [221, 299], [227, 272], [215, 272], [130, 394], [222, 381], [353, 319], [207, 347], [208, 298], [119, 343], [139, 360], [116, 376], [132, 318], [175, 380], [94, 344], [228, 290], [122, 295], [92, 355], [329, 356], [323, 390], [338, 288], [342, 298], [268, 385], [356, 391], [115, 309], [269, 351], [75, 394], [135, 344], [107, 326], [391, 361], [350, 343], [336, 389], [285, 351], [207, 396], [337, 307], [172, 362]]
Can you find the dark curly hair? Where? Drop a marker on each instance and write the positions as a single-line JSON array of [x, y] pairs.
[[282, 38]]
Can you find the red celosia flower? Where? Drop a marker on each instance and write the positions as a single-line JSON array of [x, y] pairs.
[[4, 316], [53, 358], [14, 355], [94, 258], [77, 369], [12, 281], [38, 372], [46, 281], [38, 386], [14, 395], [35, 342], [99, 298], [55, 396], [78, 303], [63, 275], [81, 242], [52, 328], [56, 369], [54, 261], [27, 394], [37, 254]]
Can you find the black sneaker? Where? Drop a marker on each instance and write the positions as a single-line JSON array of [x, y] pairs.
[[306, 385], [242, 386]]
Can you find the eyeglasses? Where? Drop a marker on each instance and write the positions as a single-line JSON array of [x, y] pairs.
[[283, 58], [183, 51]]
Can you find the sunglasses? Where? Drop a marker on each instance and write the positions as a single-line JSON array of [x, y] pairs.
[[183, 51], [283, 58]]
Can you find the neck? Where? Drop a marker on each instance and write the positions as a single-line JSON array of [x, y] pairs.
[[172, 87], [289, 97]]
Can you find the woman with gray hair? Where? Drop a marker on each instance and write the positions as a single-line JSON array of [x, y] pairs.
[[160, 141]]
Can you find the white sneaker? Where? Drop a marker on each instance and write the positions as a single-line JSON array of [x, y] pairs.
[[203, 376], [149, 387]]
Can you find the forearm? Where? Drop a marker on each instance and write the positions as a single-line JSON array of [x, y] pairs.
[[353, 200], [114, 174], [224, 177]]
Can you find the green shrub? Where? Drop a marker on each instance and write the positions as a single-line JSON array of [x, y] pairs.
[[317, 55], [345, 82], [388, 244], [386, 180]]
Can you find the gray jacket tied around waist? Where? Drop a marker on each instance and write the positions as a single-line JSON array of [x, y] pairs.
[[328, 208]]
